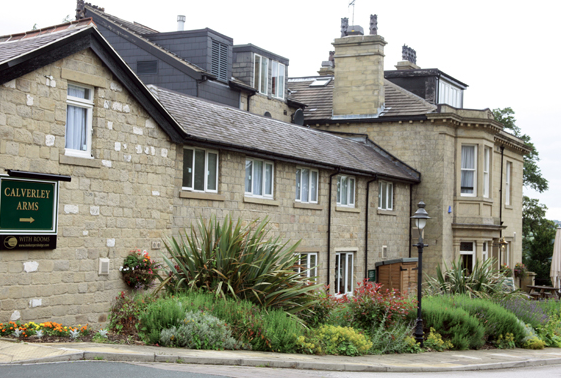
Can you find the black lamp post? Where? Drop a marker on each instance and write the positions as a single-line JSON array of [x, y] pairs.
[[420, 218]]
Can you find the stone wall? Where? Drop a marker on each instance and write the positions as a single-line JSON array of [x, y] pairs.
[[129, 195], [118, 201]]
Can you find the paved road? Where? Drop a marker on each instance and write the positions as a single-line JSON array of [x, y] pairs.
[[91, 369]]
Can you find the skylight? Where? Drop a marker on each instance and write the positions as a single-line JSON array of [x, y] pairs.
[[321, 82]]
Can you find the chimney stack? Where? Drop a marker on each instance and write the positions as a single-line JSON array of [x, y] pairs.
[[409, 59], [359, 74], [180, 23]]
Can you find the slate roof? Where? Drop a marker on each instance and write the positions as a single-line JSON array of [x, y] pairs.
[[16, 45], [210, 122], [319, 100], [139, 31]]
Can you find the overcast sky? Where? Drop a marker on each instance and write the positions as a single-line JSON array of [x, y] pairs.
[[501, 49]]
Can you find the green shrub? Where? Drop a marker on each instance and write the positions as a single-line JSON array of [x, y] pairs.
[[199, 331], [497, 320], [506, 342], [534, 343], [321, 309], [435, 342], [393, 339], [453, 323], [483, 282], [238, 262], [550, 333], [162, 314], [251, 326], [330, 339]]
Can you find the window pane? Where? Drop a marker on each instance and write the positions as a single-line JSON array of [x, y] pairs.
[[351, 191], [343, 271], [380, 195], [337, 274], [314, 188], [199, 183], [79, 92], [390, 196], [467, 182], [344, 192], [349, 274], [268, 179], [274, 68], [187, 168], [248, 178], [466, 247], [257, 78], [313, 264], [280, 81], [297, 184], [468, 157], [212, 165], [383, 185], [338, 190], [258, 178], [76, 138], [305, 185], [264, 73]]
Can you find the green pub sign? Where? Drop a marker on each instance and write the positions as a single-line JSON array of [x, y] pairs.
[[28, 206]]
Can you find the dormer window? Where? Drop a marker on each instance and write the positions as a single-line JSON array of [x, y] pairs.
[[261, 72], [277, 80]]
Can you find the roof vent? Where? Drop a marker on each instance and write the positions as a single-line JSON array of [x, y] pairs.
[[180, 23], [103, 266]]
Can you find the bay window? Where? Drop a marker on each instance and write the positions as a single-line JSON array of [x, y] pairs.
[[306, 185], [486, 166], [200, 170], [259, 177]]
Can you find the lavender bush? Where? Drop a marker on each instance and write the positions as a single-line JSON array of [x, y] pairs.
[[530, 312]]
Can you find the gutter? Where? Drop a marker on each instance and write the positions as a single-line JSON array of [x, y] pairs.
[[366, 226], [329, 225]]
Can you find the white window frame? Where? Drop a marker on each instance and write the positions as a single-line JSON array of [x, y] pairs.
[[345, 281], [300, 186], [259, 80], [87, 104], [305, 265], [486, 172], [265, 163], [351, 194], [474, 170], [386, 187], [471, 252], [508, 181], [191, 186], [276, 78], [485, 251]]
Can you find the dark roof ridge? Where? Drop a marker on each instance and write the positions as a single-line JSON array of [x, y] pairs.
[[46, 30]]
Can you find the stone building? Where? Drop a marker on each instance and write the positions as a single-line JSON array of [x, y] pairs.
[[471, 169], [134, 164]]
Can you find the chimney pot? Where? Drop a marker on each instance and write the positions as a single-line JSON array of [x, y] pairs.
[[180, 23]]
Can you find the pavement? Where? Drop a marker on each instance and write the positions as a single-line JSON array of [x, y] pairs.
[[13, 352]]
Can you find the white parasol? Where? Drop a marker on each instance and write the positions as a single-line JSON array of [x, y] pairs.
[[555, 272]]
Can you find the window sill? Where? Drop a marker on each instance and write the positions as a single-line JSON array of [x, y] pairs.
[[261, 201], [347, 209], [72, 160], [387, 212], [203, 196], [309, 206], [509, 207]]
